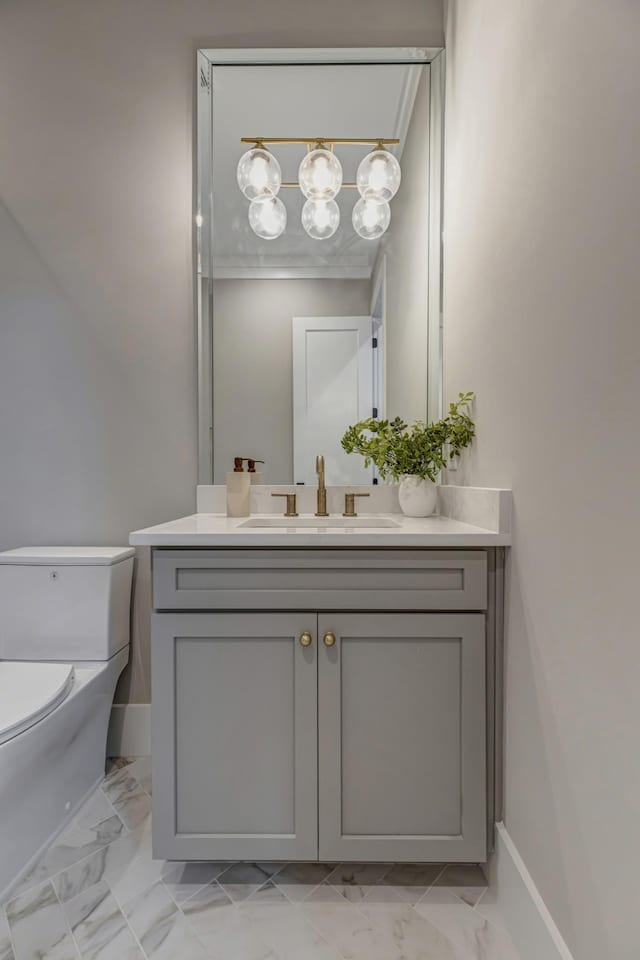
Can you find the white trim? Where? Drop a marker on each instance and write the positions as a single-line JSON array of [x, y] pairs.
[[303, 55], [129, 730], [519, 903]]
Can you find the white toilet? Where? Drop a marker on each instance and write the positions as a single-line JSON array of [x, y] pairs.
[[64, 641]]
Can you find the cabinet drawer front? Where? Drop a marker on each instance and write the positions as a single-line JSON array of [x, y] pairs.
[[314, 579]]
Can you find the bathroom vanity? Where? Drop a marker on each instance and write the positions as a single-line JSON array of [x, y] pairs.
[[324, 692]]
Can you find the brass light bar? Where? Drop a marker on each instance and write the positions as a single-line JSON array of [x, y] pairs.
[[329, 140], [295, 183]]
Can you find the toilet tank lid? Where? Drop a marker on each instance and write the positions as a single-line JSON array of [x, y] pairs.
[[67, 556]]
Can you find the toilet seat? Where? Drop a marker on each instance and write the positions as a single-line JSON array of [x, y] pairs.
[[29, 692]]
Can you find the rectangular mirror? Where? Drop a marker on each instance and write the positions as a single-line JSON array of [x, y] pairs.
[[318, 240]]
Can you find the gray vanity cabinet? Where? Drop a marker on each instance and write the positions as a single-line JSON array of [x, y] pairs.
[[234, 736], [321, 732]]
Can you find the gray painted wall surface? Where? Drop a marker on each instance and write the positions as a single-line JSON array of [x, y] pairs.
[[97, 349], [252, 364], [541, 318]]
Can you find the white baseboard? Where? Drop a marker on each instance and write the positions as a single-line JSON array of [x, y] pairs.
[[129, 730], [518, 901]]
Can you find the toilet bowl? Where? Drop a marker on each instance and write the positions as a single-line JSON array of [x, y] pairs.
[[64, 641]]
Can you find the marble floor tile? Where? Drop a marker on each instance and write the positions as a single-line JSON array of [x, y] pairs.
[[161, 928], [38, 926], [243, 879], [299, 880], [353, 880], [465, 880], [73, 845], [111, 863], [127, 797], [412, 880], [140, 769], [93, 810], [283, 928], [6, 948], [340, 923], [182, 880], [472, 935], [224, 929], [99, 926], [487, 907], [400, 933]]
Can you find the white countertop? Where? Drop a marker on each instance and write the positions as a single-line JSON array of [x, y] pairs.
[[217, 530]]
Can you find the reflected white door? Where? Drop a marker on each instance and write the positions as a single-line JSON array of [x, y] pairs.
[[332, 388]]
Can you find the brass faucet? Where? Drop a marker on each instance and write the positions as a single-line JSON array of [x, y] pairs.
[[322, 490], [350, 503]]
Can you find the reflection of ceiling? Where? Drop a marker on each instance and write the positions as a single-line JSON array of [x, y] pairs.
[[346, 100]]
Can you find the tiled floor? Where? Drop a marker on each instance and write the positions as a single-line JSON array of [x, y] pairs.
[[98, 895]]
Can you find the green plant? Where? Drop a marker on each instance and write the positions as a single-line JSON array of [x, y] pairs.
[[398, 450]]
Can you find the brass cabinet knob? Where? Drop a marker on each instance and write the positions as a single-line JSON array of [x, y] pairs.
[[329, 639], [306, 639]]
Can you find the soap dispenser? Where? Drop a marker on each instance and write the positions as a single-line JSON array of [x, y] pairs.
[[255, 475], [238, 490]]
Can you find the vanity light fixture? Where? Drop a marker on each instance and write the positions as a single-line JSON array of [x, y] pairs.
[[259, 175], [320, 218], [370, 219], [268, 217], [320, 180], [320, 174]]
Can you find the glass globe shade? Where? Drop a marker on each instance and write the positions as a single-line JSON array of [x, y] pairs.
[[259, 175], [320, 175], [370, 219], [378, 176], [268, 218], [320, 218]]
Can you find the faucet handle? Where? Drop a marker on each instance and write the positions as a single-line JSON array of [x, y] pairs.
[[291, 503], [350, 503]]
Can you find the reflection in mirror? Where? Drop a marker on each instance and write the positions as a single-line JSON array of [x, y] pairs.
[[317, 272]]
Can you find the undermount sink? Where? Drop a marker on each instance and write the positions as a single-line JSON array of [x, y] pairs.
[[320, 522]]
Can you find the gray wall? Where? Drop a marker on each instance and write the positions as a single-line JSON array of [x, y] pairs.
[[541, 318], [97, 351], [253, 365], [406, 248]]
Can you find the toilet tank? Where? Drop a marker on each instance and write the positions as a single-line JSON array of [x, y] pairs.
[[64, 603]]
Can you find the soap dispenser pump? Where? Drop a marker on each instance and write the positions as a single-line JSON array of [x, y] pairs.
[[255, 475]]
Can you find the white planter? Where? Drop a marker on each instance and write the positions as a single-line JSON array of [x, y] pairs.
[[417, 497]]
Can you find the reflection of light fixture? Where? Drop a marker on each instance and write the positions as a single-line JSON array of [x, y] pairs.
[[259, 174], [268, 218], [320, 218], [378, 176], [370, 219], [320, 180], [320, 175]]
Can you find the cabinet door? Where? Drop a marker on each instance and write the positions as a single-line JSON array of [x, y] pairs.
[[234, 736], [402, 737]]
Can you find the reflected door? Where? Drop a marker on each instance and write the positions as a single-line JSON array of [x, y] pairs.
[[332, 388]]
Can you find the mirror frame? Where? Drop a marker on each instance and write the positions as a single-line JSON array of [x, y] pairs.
[[203, 224]]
